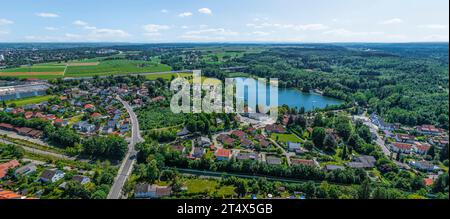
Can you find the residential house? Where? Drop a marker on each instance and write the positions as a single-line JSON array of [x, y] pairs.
[[25, 170], [362, 162], [51, 175], [246, 143], [81, 179], [333, 167], [404, 148], [239, 134], [429, 130], [6, 194], [203, 141], [405, 138], [198, 152], [423, 165], [4, 167], [264, 143], [144, 190], [272, 160], [311, 163], [294, 147], [247, 156], [421, 148], [223, 154], [274, 128]]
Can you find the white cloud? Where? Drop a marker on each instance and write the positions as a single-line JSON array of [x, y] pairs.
[[164, 11], [47, 15], [84, 25], [5, 21], [51, 28], [100, 33], [302, 27], [434, 26], [213, 31], [153, 28], [3, 32], [437, 37], [349, 33], [205, 11], [185, 14], [312, 27], [184, 27], [261, 33], [108, 33], [392, 21]]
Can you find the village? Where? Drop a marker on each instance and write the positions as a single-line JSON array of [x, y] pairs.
[[321, 140]]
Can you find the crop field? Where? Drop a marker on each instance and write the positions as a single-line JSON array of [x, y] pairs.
[[114, 67], [35, 71], [30, 100]]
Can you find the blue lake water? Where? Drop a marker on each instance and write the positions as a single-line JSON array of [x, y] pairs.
[[290, 96]]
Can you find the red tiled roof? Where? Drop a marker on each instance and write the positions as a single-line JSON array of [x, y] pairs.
[[223, 153], [88, 106], [402, 146], [5, 194], [238, 133], [428, 182], [303, 162], [4, 167]]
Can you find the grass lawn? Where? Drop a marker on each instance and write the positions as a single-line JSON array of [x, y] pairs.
[[195, 186], [30, 100], [285, 138], [116, 67], [198, 186]]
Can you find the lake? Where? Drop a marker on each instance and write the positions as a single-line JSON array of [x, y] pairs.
[[291, 97]]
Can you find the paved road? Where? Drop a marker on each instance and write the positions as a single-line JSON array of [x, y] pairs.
[[130, 158], [374, 129], [128, 74]]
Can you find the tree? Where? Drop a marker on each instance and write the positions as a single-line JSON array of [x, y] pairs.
[[343, 127], [152, 171], [364, 190], [318, 136], [329, 142], [443, 155], [432, 151], [318, 120]]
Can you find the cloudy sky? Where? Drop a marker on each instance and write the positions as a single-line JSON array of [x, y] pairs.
[[224, 20]]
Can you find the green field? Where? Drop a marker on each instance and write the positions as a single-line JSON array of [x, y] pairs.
[[166, 76], [30, 100], [199, 186], [116, 67], [42, 71], [285, 138]]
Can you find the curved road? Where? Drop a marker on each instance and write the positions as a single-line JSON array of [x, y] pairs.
[[130, 158]]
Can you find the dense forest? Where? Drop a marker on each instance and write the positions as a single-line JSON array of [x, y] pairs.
[[405, 83]]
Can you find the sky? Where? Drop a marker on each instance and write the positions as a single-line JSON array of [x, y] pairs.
[[155, 21]]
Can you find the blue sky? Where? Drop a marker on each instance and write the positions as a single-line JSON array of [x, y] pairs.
[[224, 21]]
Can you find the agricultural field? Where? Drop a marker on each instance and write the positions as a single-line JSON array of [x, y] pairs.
[[42, 71], [30, 100], [109, 67]]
